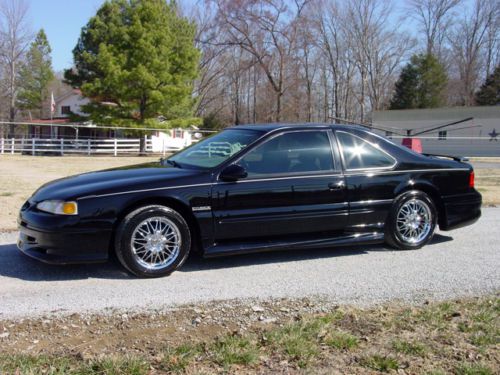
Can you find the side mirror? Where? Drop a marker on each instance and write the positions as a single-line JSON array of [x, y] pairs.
[[232, 173]]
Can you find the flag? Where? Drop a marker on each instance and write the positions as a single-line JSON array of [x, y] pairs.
[[52, 104]]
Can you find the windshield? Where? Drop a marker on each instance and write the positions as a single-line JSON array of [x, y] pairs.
[[216, 149]]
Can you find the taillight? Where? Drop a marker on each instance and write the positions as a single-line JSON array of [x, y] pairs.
[[471, 179]]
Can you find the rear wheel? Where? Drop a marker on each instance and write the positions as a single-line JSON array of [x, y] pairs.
[[152, 241], [412, 221]]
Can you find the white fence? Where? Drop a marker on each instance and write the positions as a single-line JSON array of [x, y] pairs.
[[61, 146]]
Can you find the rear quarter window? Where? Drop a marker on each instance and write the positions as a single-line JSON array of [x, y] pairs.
[[358, 153]]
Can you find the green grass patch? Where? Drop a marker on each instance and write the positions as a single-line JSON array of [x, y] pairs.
[[341, 340], [410, 348], [482, 339], [380, 363], [482, 325], [6, 194], [299, 341], [30, 365], [472, 369], [118, 366], [230, 350]]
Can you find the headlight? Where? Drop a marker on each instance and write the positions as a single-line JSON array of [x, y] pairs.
[[58, 207]]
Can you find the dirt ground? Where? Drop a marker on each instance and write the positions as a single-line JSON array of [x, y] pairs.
[[21, 175], [280, 336]]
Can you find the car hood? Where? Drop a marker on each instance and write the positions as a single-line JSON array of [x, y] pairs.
[[122, 179]]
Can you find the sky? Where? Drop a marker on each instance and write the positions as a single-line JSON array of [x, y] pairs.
[[63, 20]]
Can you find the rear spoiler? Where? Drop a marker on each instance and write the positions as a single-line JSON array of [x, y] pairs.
[[461, 159]]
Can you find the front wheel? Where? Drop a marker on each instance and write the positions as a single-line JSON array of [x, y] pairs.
[[412, 221], [152, 241]]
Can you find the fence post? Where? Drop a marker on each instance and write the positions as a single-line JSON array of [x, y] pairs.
[[116, 146], [33, 146], [2, 146], [22, 145], [12, 145], [145, 143], [88, 146], [163, 146], [62, 146]]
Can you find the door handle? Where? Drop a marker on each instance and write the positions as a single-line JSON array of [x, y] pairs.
[[336, 185]]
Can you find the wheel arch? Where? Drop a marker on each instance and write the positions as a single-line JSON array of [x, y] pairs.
[[431, 191], [173, 203]]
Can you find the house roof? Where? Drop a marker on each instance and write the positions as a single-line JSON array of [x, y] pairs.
[[68, 93], [437, 114], [63, 120]]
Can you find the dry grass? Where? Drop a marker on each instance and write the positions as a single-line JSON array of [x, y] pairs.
[[20, 176], [488, 184]]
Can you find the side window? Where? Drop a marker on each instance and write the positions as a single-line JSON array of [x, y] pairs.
[[360, 154], [294, 152]]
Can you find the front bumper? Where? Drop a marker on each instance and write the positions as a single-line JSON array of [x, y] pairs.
[[461, 210], [61, 240]]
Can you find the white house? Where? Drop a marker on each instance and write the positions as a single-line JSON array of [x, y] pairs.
[[169, 140], [70, 102]]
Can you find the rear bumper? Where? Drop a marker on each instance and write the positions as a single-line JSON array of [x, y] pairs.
[[461, 210], [62, 245]]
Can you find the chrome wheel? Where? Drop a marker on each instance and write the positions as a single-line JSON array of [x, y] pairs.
[[156, 243], [414, 221]]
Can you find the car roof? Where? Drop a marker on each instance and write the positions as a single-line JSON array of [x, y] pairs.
[[278, 126]]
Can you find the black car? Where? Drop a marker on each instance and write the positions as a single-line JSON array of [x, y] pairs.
[[248, 189]]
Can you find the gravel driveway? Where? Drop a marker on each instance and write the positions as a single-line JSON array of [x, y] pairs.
[[458, 263]]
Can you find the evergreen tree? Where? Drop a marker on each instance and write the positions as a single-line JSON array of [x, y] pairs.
[[406, 89], [137, 61], [35, 76], [489, 93], [422, 84]]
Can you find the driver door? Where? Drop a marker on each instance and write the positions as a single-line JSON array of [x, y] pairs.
[[294, 186]]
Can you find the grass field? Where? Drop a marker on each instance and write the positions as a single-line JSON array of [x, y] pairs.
[[20, 176], [454, 337]]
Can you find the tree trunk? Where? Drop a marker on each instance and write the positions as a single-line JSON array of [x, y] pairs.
[[12, 99], [142, 144], [142, 140], [254, 114], [278, 106]]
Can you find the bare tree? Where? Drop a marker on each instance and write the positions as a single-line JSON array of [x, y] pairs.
[[15, 36], [492, 43], [468, 38], [332, 44], [378, 50], [434, 19], [267, 30]]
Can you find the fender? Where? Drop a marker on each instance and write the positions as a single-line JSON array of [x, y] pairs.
[[427, 188]]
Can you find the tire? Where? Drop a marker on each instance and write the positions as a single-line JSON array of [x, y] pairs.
[[411, 222], [152, 241]]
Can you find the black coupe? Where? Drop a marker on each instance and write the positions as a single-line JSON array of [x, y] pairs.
[[247, 189]]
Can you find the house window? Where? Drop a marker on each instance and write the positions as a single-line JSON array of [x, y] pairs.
[[442, 135], [65, 110], [178, 133]]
